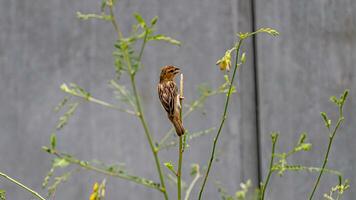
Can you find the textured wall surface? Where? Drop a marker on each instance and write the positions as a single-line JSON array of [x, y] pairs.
[[313, 58], [42, 45]]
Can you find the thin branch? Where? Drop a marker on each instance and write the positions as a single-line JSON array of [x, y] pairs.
[[138, 105], [22, 186], [192, 184], [270, 170], [331, 138], [119, 174], [179, 173], [222, 120], [188, 138]]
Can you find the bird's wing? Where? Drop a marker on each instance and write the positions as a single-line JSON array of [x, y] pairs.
[[167, 94]]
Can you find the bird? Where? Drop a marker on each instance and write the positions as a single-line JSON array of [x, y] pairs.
[[169, 97]]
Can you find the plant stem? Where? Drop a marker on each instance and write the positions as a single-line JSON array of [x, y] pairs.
[[22, 186], [190, 188], [270, 170], [179, 173], [222, 120], [149, 137], [87, 166], [331, 138], [138, 104]]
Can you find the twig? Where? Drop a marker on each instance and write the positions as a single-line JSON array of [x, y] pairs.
[[119, 174], [138, 104], [222, 120], [331, 138], [22, 186], [270, 170], [188, 138], [179, 173], [190, 188]]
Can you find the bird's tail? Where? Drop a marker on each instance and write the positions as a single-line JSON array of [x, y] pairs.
[[177, 125]]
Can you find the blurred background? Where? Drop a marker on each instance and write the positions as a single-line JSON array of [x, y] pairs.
[[283, 86]]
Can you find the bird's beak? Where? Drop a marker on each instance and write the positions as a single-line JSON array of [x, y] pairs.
[[176, 71]]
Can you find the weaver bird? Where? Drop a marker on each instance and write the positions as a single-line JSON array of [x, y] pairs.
[[169, 97]]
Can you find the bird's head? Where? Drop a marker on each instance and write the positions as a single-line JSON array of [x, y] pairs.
[[168, 73]]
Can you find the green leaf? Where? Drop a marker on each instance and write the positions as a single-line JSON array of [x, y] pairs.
[[60, 162], [103, 5], [53, 141], [61, 104], [327, 121], [2, 194], [154, 21], [243, 57], [161, 37], [140, 20], [93, 16], [194, 169], [344, 96], [302, 138], [334, 100], [63, 120], [303, 147], [170, 166], [274, 137], [270, 31]]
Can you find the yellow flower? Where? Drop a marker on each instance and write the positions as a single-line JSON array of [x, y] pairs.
[[94, 194], [225, 62], [95, 187]]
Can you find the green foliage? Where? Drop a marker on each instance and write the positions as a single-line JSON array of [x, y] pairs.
[[337, 191], [2, 195], [127, 54], [63, 120], [170, 166]]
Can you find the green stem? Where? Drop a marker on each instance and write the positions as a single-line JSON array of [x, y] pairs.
[[179, 174], [270, 171], [138, 105], [22, 186], [149, 137], [87, 166], [190, 188], [143, 45], [222, 120], [331, 138]]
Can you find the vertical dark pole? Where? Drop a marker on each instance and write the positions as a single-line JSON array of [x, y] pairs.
[[257, 97]]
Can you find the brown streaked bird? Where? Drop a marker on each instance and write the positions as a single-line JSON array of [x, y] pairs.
[[169, 97]]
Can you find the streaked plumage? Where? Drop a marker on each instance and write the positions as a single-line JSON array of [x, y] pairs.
[[168, 95]]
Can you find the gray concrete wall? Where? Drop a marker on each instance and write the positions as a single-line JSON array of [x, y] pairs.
[[43, 45]]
